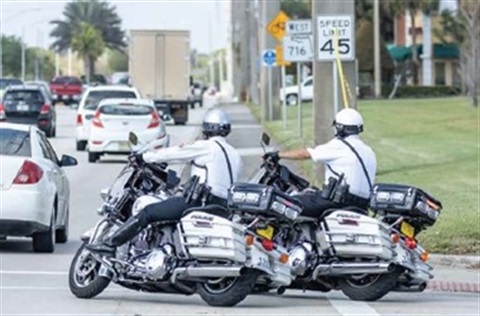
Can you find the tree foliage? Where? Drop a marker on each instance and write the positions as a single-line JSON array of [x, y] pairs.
[[297, 9], [118, 61], [87, 42], [463, 28]]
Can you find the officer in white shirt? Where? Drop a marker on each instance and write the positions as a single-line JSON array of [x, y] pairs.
[[345, 155], [213, 160]]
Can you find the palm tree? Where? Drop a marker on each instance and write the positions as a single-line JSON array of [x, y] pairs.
[[98, 14], [88, 43]]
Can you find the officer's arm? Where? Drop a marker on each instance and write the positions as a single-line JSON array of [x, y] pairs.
[[178, 154], [296, 154]]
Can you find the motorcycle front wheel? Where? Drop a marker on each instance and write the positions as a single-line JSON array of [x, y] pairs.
[[228, 292], [84, 279]]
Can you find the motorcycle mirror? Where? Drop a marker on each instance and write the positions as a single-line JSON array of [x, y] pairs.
[[265, 139], [133, 138]]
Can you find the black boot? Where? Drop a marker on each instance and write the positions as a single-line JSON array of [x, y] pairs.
[[123, 234]]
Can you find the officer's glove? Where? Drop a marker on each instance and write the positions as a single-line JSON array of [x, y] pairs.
[[272, 157]]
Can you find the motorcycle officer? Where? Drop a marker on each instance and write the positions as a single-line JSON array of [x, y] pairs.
[[213, 160], [350, 167]]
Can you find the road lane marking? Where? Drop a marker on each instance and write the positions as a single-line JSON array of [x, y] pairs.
[[350, 308], [26, 272]]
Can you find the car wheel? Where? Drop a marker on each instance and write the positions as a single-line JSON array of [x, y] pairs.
[[292, 99], [54, 133], [45, 241], [81, 145], [93, 157], [61, 235]]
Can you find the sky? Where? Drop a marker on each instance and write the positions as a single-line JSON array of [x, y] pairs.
[[194, 15]]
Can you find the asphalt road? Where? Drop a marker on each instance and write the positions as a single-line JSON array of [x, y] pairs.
[[36, 284]]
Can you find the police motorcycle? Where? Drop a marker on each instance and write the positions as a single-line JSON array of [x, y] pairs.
[[364, 256], [205, 253]]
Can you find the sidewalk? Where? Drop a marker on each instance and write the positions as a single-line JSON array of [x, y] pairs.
[[452, 273]]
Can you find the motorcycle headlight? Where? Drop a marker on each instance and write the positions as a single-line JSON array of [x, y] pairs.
[[246, 197], [278, 207], [290, 213]]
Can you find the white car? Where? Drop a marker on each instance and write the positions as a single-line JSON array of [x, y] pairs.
[[292, 92], [89, 103], [34, 190], [114, 119]]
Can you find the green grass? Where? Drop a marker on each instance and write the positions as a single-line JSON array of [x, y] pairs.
[[429, 143]]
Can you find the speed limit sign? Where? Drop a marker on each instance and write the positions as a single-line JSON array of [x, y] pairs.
[[345, 28]]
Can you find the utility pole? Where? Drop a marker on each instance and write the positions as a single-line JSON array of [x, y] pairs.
[[23, 54], [269, 9], [324, 94], [376, 38], [254, 52]]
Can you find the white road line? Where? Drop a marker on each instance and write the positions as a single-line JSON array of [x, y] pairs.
[[350, 308], [26, 272]]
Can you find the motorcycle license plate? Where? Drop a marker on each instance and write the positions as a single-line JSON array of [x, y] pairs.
[[266, 233], [407, 229]]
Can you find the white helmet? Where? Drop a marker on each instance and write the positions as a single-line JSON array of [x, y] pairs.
[[348, 122], [216, 123]]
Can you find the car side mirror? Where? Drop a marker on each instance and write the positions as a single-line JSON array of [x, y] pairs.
[[68, 161]]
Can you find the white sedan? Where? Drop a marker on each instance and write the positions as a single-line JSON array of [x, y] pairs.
[[34, 190], [292, 92], [116, 118]]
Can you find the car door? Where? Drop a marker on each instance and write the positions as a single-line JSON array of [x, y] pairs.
[[58, 175], [307, 89]]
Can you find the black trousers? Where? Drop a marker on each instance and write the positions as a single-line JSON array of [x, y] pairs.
[[314, 205], [168, 210]]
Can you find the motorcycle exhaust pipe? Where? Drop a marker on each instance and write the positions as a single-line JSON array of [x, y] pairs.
[[352, 268], [411, 287], [211, 272]]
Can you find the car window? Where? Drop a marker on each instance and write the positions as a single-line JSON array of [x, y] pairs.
[[47, 148], [308, 83], [24, 95], [8, 82], [15, 143], [66, 80], [94, 97], [126, 109]]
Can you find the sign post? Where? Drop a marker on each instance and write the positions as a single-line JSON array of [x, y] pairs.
[[298, 47], [269, 59]]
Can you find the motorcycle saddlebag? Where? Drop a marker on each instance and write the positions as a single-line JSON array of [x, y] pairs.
[[406, 201], [210, 237]]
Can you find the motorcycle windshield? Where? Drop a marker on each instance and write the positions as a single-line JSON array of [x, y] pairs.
[[118, 186], [257, 177]]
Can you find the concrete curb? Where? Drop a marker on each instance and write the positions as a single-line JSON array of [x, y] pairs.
[[447, 286], [467, 262]]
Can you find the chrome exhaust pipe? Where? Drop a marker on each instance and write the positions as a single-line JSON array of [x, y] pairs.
[[203, 272], [410, 287], [352, 268]]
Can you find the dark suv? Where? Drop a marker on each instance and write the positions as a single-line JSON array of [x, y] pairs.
[[29, 104]]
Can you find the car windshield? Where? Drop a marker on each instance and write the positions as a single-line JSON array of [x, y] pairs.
[[15, 143], [125, 109], [94, 97], [8, 82], [28, 96], [66, 80]]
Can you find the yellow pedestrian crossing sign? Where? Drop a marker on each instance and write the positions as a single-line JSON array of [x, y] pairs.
[[276, 27]]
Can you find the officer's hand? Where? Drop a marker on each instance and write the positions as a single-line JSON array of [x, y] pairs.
[[136, 159], [272, 157]]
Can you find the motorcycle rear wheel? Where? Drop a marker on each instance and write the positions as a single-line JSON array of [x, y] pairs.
[[228, 292], [370, 287], [83, 278]]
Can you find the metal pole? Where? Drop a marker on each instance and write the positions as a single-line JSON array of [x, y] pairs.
[[23, 54], [70, 63], [270, 101], [376, 37], [57, 64], [299, 109], [284, 103], [335, 87]]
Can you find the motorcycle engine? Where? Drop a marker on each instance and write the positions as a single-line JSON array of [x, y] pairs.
[[300, 258], [160, 262]]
